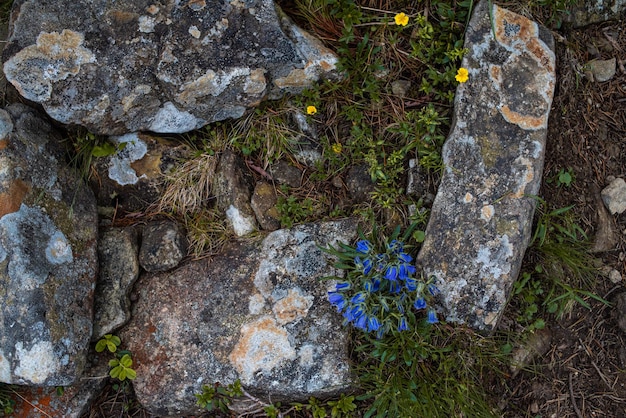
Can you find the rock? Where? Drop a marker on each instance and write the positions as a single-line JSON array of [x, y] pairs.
[[416, 184], [74, 402], [258, 313], [481, 218], [119, 269], [605, 238], [168, 67], [614, 196], [306, 147], [582, 13], [400, 87], [285, 173], [264, 206], [536, 346], [133, 178], [602, 70], [163, 246], [232, 187], [359, 183], [48, 264]]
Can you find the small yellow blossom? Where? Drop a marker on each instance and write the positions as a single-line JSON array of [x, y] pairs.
[[462, 75], [311, 110], [401, 19], [337, 147]]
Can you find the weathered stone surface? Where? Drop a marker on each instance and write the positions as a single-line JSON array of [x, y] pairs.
[[614, 196], [285, 173], [257, 312], [48, 231], [601, 70], [168, 66], [119, 269], [359, 183], [133, 178], [586, 12], [163, 246], [264, 205], [45, 402], [481, 219], [232, 187]]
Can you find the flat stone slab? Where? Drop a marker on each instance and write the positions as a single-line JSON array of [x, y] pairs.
[[258, 313], [481, 219], [139, 65]]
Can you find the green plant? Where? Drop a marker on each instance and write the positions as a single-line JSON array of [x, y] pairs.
[[7, 403], [564, 270], [88, 146], [293, 210], [563, 177], [218, 397], [342, 407], [380, 292], [122, 363]]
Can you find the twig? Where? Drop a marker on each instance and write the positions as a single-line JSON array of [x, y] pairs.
[[571, 394], [31, 404]]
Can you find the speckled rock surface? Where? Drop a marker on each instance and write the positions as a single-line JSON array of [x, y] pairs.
[[232, 187], [163, 246], [257, 313], [482, 216], [586, 12], [48, 231], [166, 66], [119, 269]]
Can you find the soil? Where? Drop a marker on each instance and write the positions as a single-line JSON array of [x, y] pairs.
[[582, 373]]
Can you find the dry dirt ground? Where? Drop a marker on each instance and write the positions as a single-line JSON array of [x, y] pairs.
[[583, 372]]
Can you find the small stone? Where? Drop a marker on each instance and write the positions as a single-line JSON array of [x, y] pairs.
[[359, 183], [163, 246], [400, 87], [615, 276], [614, 196], [537, 345], [285, 173], [263, 204], [602, 70]]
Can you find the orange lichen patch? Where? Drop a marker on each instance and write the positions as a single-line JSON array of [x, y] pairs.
[[149, 165], [60, 46], [495, 72], [511, 26], [35, 402], [296, 78], [262, 346], [544, 56], [121, 18], [292, 307], [3, 144], [11, 200], [523, 121]]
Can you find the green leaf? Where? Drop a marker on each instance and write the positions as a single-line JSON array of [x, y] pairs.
[[103, 150]]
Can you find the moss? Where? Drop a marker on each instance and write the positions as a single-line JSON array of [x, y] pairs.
[[490, 149]]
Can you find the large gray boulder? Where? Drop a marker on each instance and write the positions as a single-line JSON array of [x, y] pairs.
[[482, 215], [169, 66], [48, 264], [258, 313]]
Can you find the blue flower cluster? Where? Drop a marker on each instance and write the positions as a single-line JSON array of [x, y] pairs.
[[381, 289]]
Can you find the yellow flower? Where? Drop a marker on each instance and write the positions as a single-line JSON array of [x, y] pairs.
[[462, 75], [401, 19], [311, 110], [337, 147]]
